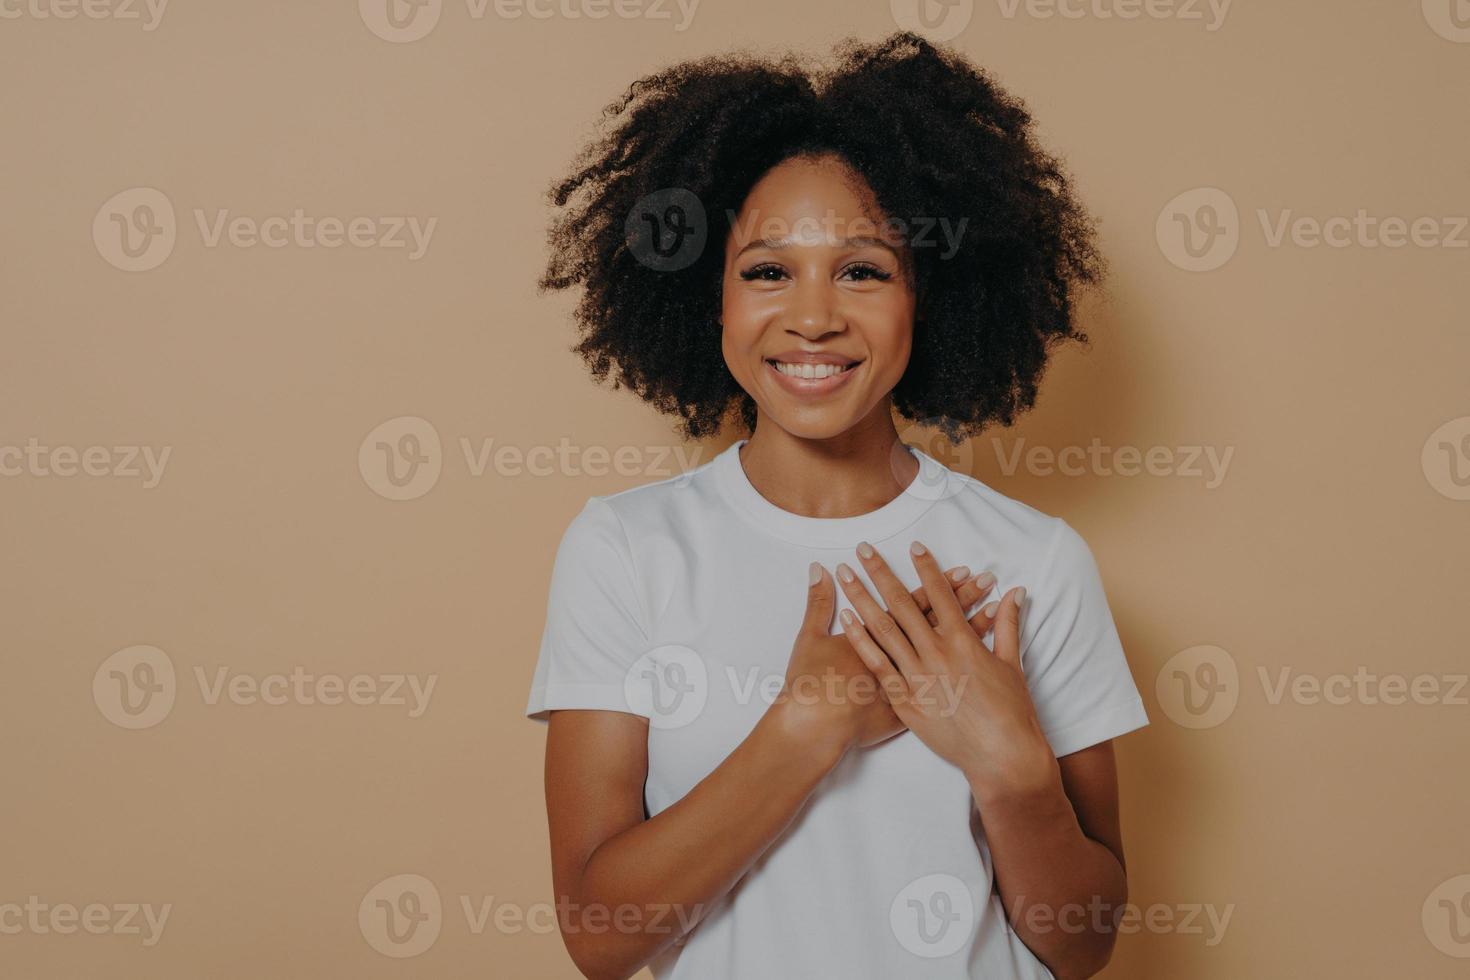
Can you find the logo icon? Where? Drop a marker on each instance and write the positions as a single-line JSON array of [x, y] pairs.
[[1446, 917], [400, 21], [1450, 19], [401, 916], [1446, 459], [1199, 687], [401, 459], [135, 229], [1199, 230], [938, 20], [135, 687], [937, 484], [669, 685], [933, 916], [667, 230]]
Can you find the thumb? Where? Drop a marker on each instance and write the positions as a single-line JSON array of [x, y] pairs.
[[821, 600]]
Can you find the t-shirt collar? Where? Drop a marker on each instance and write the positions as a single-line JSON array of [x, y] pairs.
[[933, 483]]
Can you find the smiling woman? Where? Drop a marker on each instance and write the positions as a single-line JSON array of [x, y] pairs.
[[926, 787]]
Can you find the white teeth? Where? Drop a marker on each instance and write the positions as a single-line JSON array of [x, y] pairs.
[[812, 371]]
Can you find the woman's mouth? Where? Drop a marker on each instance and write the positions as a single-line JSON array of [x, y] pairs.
[[806, 378]]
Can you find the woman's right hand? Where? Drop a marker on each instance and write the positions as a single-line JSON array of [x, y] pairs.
[[829, 697]]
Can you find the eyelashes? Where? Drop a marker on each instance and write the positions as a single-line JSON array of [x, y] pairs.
[[859, 271], [766, 271], [869, 271]]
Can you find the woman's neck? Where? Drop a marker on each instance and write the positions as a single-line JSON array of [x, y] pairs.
[[854, 473]]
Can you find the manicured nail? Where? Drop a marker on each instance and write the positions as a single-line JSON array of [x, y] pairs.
[[845, 573], [918, 549], [866, 550], [816, 572], [991, 610], [1020, 596], [961, 573], [984, 580], [847, 617]]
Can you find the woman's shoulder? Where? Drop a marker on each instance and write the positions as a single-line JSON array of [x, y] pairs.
[[651, 506], [1013, 524], [984, 500]]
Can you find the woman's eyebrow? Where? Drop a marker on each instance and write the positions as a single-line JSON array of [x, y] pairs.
[[858, 241]]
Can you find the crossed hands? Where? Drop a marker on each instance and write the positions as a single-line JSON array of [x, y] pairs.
[[915, 661]]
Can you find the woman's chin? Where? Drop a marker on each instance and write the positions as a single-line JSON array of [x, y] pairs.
[[813, 422]]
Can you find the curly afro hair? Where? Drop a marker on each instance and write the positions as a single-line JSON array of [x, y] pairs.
[[930, 133]]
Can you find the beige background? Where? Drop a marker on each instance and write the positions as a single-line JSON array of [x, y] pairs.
[[1334, 541]]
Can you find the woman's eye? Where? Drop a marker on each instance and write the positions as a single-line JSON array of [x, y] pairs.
[[766, 273], [863, 271]]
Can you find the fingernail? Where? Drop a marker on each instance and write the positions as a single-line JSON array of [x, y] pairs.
[[1020, 596], [984, 580], [815, 572], [866, 550], [847, 617], [991, 609], [845, 573], [961, 573], [918, 549]]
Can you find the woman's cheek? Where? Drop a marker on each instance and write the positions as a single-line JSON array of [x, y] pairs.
[[740, 337], [888, 328], [751, 311], [746, 320]]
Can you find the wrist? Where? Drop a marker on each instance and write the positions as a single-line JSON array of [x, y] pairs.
[[1043, 817], [1031, 783], [802, 734]]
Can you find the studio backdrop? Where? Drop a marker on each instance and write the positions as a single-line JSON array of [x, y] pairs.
[[288, 438]]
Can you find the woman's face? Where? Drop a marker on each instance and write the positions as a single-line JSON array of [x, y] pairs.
[[818, 312]]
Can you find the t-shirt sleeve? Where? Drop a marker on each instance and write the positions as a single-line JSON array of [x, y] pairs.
[[595, 628], [1071, 654]]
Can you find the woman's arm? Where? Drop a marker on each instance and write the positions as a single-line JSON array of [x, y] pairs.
[[627, 887], [1058, 860], [1052, 827]]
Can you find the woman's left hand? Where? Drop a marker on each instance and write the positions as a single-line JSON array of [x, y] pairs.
[[967, 703]]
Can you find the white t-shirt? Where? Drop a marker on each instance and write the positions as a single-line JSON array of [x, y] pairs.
[[680, 600]]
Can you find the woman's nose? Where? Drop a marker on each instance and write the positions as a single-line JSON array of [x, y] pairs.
[[814, 311]]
